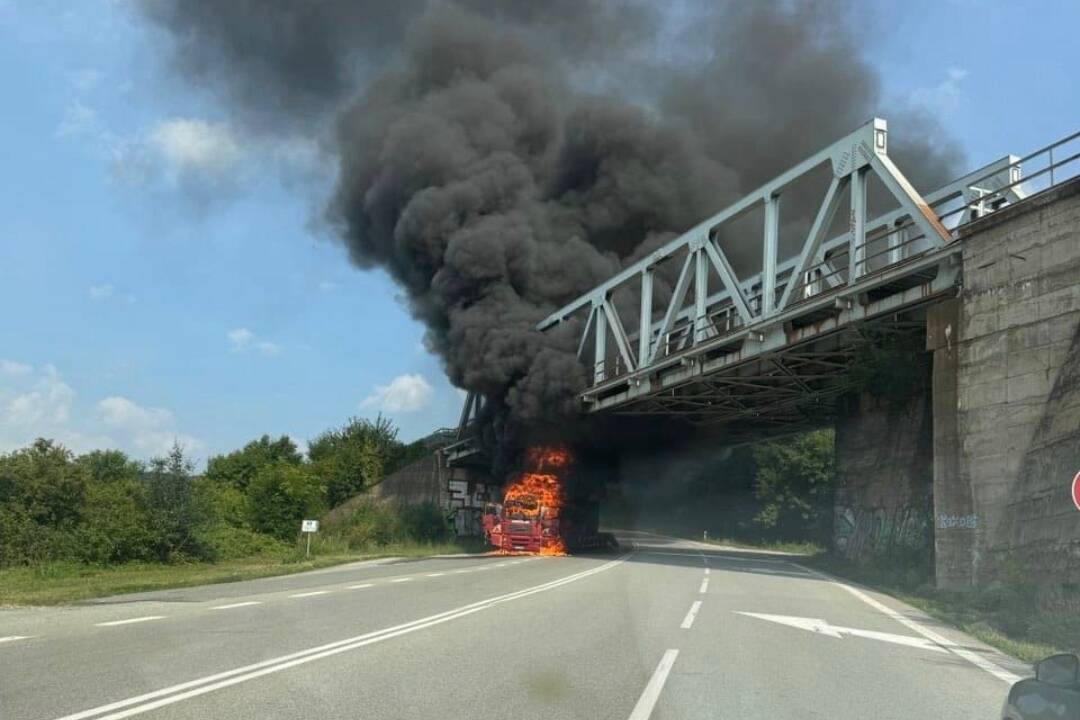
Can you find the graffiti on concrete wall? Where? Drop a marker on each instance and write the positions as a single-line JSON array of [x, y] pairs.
[[862, 533], [467, 500], [945, 521]]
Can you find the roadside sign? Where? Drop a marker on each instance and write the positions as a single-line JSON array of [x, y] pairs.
[[1076, 491], [309, 526]]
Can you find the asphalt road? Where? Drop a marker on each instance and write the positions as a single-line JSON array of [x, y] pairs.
[[663, 629]]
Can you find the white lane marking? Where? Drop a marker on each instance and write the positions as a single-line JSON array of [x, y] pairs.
[[401, 579], [237, 605], [483, 567], [501, 564], [436, 574], [130, 620], [361, 586], [457, 572], [706, 571], [704, 586], [651, 694], [689, 619], [974, 658], [203, 685], [11, 638], [313, 593], [822, 627]]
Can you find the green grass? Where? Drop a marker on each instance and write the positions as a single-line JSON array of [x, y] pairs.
[[58, 583], [991, 617]]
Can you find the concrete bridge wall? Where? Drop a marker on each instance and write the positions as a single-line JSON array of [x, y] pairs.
[[1004, 415]]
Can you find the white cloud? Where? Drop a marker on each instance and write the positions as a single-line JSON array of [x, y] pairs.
[[101, 292], [944, 97], [48, 402], [149, 430], [10, 367], [240, 338], [196, 146], [243, 339], [78, 119], [37, 402], [405, 393], [120, 412]]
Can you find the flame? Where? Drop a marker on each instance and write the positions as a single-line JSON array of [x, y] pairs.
[[538, 488]]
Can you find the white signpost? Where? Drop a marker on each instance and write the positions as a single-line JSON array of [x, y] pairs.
[[307, 527]]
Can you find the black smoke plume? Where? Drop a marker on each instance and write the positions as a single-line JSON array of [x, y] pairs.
[[498, 159]]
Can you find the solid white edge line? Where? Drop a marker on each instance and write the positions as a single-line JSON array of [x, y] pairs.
[[651, 693], [237, 675], [401, 579], [704, 586], [237, 605], [974, 658], [689, 619], [11, 638], [361, 586], [436, 574], [129, 621], [313, 593]]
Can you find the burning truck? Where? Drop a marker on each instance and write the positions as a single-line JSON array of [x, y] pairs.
[[535, 515]]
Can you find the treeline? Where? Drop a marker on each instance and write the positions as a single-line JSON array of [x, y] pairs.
[[103, 507]]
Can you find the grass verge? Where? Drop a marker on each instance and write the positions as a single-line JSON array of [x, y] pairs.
[[983, 616], [57, 583]]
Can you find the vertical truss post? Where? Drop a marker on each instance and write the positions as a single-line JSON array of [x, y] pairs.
[[645, 326], [897, 238], [768, 268], [701, 295], [857, 246], [600, 344]]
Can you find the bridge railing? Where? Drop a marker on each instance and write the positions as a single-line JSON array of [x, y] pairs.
[[908, 237]]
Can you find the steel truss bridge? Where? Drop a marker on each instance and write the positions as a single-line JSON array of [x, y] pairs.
[[773, 346]]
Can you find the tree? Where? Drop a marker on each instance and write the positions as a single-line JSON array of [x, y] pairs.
[[794, 481], [115, 519], [44, 482], [281, 495], [351, 458], [239, 467], [177, 512]]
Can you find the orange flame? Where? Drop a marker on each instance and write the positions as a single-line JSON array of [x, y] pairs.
[[537, 489]]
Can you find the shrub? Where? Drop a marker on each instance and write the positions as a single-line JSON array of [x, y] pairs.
[[281, 495]]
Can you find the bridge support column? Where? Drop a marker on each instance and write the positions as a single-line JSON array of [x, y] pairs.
[[954, 511]]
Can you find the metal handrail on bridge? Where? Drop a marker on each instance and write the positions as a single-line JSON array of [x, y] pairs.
[[910, 238]]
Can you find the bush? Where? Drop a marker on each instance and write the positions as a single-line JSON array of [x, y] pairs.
[[281, 495], [177, 513], [374, 524], [226, 542]]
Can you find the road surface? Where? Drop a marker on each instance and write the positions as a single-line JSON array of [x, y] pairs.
[[664, 628]]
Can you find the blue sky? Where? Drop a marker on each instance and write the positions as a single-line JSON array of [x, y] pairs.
[[160, 280]]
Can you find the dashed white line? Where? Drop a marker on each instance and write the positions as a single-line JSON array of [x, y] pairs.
[[457, 572], [200, 686], [689, 619], [706, 571], [485, 567], [361, 586], [130, 620], [436, 574], [310, 594], [704, 586], [501, 564], [237, 605], [11, 638], [651, 694], [401, 579]]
